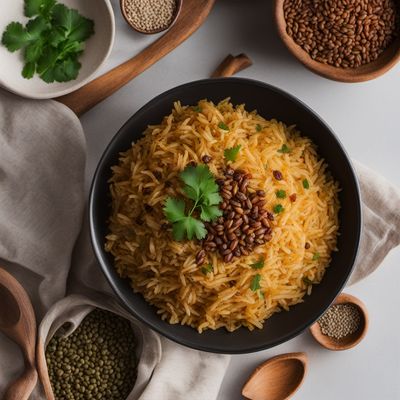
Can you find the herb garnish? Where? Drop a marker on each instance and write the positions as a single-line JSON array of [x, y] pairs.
[[259, 264], [231, 154], [52, 40], [223, 126], [255, 283], [306, 185], [258, 128], [201, 188], [284, 149], [207, 269], [278, 208], [198, 109], [280, 194], [316, 256]]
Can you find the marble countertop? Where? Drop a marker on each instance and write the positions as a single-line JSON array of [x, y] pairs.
[[364, 116]]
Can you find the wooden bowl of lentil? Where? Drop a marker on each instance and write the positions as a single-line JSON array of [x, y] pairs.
[[351, 43], [150, 16], [342, 328]]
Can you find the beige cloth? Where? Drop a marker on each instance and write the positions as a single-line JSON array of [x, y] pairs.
[[42, 158]]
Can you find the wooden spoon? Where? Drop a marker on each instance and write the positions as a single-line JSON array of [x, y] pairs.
[[18, 322], [349, 341], [193, 13], [277, 378]]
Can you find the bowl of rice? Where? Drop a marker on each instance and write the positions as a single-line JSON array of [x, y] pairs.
[[226, 215]]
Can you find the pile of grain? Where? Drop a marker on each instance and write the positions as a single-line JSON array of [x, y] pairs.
[[165, 271]]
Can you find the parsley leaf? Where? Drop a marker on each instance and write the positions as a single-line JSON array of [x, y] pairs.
[[259, 264], [201, 188], [232, 153], [284, 149], [306, 185], [207, 269], [278, 208], [316, 256], [280, 194], [255, 283], [223, 126], [258, 128]]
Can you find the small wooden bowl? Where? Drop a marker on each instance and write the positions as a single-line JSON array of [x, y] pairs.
[[174, 18], [348, 341], [366, 72]]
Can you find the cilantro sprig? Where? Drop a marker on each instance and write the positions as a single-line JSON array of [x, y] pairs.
[[52, 40], [231, 153], [203, 194]]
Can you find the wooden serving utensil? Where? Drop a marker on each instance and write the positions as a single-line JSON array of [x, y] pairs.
[[277, 378], [18, 322], [192, 14], [349, 341]]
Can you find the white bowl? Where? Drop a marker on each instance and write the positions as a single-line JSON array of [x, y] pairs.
[[98, 48]]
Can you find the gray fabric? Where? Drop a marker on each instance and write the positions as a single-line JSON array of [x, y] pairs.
[[42, 158]]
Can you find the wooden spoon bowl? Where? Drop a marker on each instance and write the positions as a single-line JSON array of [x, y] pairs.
[[178, 7], [349, 341], [277, 378], [372, 70]]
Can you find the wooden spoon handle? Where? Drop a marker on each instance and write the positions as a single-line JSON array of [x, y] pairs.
[[231, 65], [22, 387], [192, 15]]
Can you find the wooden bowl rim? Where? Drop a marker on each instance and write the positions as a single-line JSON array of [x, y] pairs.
[[366, 72], [334, 344], [300, 356], [153, 32]]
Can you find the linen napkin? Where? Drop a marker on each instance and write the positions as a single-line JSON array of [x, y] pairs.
[[44, 243]]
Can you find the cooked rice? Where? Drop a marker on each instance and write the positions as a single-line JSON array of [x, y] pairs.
[[165, 272]]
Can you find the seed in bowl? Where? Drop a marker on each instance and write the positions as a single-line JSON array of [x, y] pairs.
[[344, 34]]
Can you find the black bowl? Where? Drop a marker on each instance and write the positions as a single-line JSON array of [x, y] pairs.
[[270, 102]]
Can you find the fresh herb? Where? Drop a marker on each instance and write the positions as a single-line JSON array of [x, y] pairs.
[[306, 185], [284, 149], [255, 283], [207, 269], [258, 128], [51, 41], [307, 281], [232, 153], [278, 208], [280, 194], [201, 188], [259, 264], [261, 295], [316, 256], [198, 109], [223, 126]]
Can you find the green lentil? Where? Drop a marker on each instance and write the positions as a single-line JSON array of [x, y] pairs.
[[97, 361]]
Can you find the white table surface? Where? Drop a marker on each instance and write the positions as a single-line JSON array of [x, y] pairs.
[[364, 116]]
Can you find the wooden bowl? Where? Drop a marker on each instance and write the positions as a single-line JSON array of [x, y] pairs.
[[366, 72], [348, 341], [134, 27]]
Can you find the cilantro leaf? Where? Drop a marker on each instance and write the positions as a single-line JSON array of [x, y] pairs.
[[209, 213], [258, 128], [33, 52], [316, 256], [36, 7], [280, 194], [15, 37], [306, 184], [28, 70], [174, 209], [278, 208], [255, 283], [232, 153], [259, 264], [198, 109], [190, 227], [284, 149], [223, 126], [207, 269]]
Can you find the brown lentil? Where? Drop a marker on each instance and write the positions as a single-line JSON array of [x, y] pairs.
[[244, 223], [206, 159], [277, 175], [340, 320], [97, 361], [150, 15], [342, 33]]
